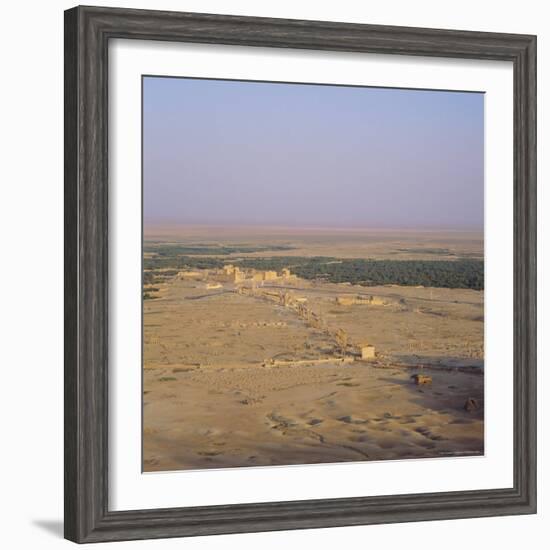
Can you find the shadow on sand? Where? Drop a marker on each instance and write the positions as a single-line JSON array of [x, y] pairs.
[[442, 361]]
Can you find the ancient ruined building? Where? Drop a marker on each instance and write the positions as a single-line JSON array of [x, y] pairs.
[[190, 275], [237, 275], [367, 352], [264, 276], [211, 286], [341, 337], [360, 299], [230, 274]]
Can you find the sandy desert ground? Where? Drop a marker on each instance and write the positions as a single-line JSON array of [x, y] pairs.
[[232, 380], [343, 243]]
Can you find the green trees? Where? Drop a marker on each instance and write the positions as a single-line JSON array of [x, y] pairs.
[[448, 274], [459, 273]]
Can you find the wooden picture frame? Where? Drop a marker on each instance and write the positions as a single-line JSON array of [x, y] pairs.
[[87, 34]]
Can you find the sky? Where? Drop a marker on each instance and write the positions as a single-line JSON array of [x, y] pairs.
[[253, 153]]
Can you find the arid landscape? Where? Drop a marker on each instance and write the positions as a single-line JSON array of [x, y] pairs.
[[313, 273], [275, 345]]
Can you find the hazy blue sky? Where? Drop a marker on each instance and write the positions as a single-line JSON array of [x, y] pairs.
[[231, 152]]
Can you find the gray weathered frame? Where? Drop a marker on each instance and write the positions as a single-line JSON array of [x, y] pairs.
[[87, 34]]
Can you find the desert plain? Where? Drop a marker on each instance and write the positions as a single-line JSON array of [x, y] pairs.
[[258, 351]]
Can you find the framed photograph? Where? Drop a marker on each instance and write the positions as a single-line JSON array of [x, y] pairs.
[[300, 274]]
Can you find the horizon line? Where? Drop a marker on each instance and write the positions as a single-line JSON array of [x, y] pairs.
[[312, 227]]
